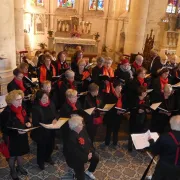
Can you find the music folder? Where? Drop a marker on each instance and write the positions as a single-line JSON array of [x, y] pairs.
[[24, 130]]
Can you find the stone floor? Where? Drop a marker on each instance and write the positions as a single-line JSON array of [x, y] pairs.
[[114, 164]]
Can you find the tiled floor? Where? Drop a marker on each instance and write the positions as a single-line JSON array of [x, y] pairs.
[[114, 164]]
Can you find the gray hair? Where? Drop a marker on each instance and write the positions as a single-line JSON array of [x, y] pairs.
[[75, 121], [69, 73], [175, 123]]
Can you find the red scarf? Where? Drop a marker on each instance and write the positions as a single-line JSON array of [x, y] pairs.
[[110, 73], [141, 80], [64, 65], [136, 66], [119, 101], [44, 105], [20, 84], [141, 101], [71, 83], [163, 82], [73, 105], [20, 113]]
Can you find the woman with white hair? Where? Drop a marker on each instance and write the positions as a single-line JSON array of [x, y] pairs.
[[161, 116], [63, 85], [80, 149], [167, 147]]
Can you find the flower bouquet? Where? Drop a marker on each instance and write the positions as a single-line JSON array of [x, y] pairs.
[[75, 33]]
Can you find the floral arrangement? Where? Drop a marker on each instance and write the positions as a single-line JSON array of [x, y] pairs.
[[75, 33]]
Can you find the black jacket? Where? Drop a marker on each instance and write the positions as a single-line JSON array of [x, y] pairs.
[[17, 143], [76, 153], [43, 115]]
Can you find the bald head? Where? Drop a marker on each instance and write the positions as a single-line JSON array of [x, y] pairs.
[[139, 60], [175, 123]]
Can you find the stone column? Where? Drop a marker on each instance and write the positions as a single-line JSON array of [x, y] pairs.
[[19, 24], [135, 33], [7, 43]]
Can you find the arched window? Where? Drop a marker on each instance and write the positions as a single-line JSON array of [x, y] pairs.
[[172, 6], [66, 3], [96, 5], [128, 2]]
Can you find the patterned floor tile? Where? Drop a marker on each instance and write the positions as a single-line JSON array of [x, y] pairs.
[[114, 165]]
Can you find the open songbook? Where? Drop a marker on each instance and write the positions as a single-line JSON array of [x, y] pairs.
[[58, 125], [107, 107], [154, 106], [176, 85], [90, 110], [83, 93], [24, 130], [149, 90], [140, 141], [123, 110]]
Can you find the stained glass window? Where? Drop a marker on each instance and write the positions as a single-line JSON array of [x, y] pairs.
[[96, 5], [66, 3], [172, 5], [40, 2]]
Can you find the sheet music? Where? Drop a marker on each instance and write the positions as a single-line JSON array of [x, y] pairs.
[[58, 125], [149, 90], [176, 85], [154, 106], [147, 75], [24, 130], [90, 110], [163, 109], [141, 140], [83, 93], [107, 107], [34, 80], [121, 109]]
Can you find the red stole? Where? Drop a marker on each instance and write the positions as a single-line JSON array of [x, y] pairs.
[[85, 74], [71, 83], [119, 101], [136, 66], [141, 81], [163, 82], [110, 73], [25, 74], [73, 105], [64, 65], [20, 84], [20, 113]]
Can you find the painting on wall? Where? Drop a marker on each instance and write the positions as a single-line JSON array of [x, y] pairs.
[[66, 3], [39, 20]]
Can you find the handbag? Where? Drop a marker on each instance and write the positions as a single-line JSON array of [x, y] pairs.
[[4, 150]]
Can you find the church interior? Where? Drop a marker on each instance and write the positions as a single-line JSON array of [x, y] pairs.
[[115, 29]]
